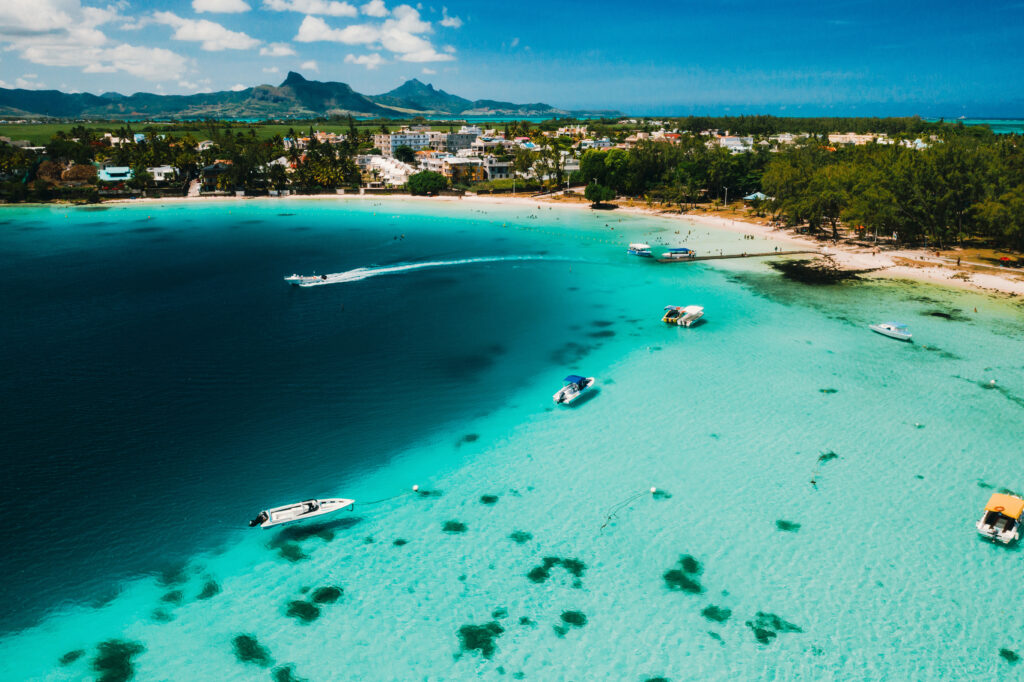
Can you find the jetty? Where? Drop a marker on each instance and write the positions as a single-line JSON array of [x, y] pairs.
[[735, 255]]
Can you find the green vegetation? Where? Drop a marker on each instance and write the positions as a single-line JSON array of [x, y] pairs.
[[427, 183]]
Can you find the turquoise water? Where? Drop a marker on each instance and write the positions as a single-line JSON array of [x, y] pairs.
[[862, 566]]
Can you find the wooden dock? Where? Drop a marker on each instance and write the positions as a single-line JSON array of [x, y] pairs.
[[735, 255]]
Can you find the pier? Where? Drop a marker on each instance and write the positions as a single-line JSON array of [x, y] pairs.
[[735, 255]]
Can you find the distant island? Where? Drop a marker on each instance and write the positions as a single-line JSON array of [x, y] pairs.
[[295, 97]]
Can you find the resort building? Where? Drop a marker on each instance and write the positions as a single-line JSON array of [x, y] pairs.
[[462, 169], [850, 138], [495, 169], [736, 145], [162, 173], [115, 174], [387, 143]]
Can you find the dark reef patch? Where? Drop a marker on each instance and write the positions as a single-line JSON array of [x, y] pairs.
[[661, 495], [249, 650], [175, 574], [454, 527], [161, 616], [71, 656], [113, 661], [488, 499], [576, 619], [684, 577], [467, 365], [828, 391], [500, 612], [291, 551], [1009, 655], [602, 334], [788, 526], [719, 614], [303, 611], [540, 573], [210, 589], [602, 323], [656, 679], [286, 673], [480, 637], [173, 597], [325, 531], [570, 353], [827, 457], [527, 621], [468, 438], [520, 537], [399, 542], [327, 594], [767, 626]]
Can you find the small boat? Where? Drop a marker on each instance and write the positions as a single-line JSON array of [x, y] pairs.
[[894, 330], [640, 249], [683, 316], [305, 280], [679, 254], [574, 386], [299, 511], [1001, 521]]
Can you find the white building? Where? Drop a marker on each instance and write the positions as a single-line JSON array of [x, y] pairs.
[[495, 169], [162, 173], [388, 143], [392, 172]]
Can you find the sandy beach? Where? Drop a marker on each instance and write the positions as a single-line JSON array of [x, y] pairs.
[[913, 264]]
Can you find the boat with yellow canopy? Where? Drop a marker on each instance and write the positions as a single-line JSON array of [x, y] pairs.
[[1001, 521]]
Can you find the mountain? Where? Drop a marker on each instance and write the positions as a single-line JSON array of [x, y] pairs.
[[296, 97]]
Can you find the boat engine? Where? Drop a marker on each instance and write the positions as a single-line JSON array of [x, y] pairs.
[[263, 516]]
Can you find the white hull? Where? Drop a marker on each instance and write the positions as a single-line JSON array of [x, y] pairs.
[[305, 280], [570, 393], [304, 510], [891, 333], [992, 533], [686, 317]]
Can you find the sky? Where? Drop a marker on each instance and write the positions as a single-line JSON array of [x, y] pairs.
[[788, 57]]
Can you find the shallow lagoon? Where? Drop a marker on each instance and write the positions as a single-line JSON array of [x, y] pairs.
[[533, 549]]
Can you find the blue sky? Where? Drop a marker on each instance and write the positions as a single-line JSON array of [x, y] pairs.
[[732, 56]]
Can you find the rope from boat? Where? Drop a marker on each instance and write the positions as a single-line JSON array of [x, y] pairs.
[[614, 510], [414, 490]]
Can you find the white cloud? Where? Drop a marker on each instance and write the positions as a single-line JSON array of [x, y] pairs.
[[220, 6], [277, 50], [370, 61], [30, 81], [515, 41], [213, 36], [237, 87], [271, 69], [63, 33], [449, 22], [375, 8], [311, 65], [399, 35], [330, 8], [428, 72]]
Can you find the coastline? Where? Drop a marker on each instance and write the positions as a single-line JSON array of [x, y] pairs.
[[911, 264]]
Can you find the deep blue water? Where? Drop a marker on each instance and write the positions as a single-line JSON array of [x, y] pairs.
[[162, 383]]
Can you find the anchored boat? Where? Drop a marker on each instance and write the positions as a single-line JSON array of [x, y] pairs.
[[679, 254], [299, 511], [574, 386], [1001, 521], [640, 249], [683, 316], [304, 280], [894, 330]]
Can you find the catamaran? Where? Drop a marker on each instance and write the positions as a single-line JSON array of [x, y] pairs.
[[683, 316], [640, 249], [894, 330], [299, 511], [574, 386], [304, 280]]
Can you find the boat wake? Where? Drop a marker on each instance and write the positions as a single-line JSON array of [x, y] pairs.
[[360, 274]]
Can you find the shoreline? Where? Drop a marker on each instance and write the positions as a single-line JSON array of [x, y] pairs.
[[911, 264]]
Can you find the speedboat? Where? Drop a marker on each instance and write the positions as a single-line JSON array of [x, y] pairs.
[[574, 385], [894, 330], [1001, 521], [304, 280], [640, 249], [679, 254], [683, 316], [299, 511]]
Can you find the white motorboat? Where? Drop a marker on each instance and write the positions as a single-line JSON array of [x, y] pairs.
[[640, 249], [683, 316], [304, 280], [1001, 520], [574, 386], [299, 511], [679, 254], [894, 330]]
